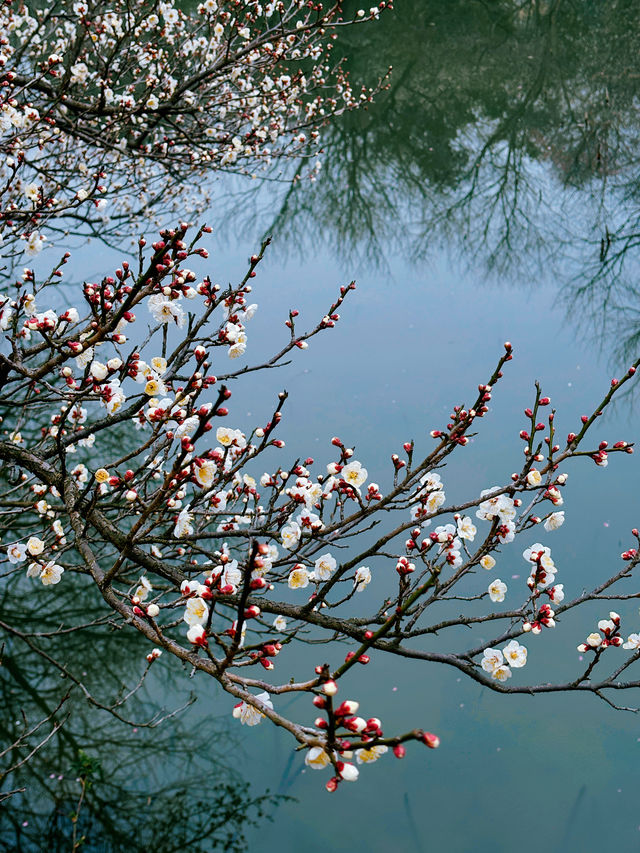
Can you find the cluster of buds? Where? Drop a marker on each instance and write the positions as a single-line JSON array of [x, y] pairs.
[[264, 655], [600, 457], [609, 635], [553, 494], [404, 567], [373, 493], [543, 619]]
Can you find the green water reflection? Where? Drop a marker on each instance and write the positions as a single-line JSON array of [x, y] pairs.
[[508, 134]]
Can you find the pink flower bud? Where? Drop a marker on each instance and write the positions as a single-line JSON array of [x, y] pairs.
[[432, 741], [349, 772], [349, 706]]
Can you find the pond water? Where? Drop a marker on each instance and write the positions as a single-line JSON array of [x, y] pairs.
[[490, 194]]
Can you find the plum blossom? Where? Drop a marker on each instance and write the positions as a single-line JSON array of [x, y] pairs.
[[17, 553], [487, 562], [143, 589], [633, 642], [113, 396], [368, 756], [431, 481], [506, 532], [231, 437], [594, 640], [197, 635], [434, 501], [543, 571], [280, 623], [196, 612], [291, 535], [491, 660], [514, 654], [34, 243], [187, 428], [298, 577], [325, 566], [362, 578], [501, 506], [554, 521], [183, 526], [98, 370], [493, 663], [501, 673], [206, 474], [309, 520], [534, 477], [316, 758], [497, 590], [51, 573], [248, 714], [232, 575], [466, 528], [354, 474], [35, 546], [165, 310], [556, 593]]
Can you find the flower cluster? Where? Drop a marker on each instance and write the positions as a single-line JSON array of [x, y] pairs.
[[608, 634], [499, 663], [134, 473], [212, 90]]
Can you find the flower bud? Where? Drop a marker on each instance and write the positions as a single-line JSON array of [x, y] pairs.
[[349, 772], [349, 706], [432, 741]]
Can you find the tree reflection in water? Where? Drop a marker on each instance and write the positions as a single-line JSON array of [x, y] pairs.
[[106, 781], [509, 133]]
